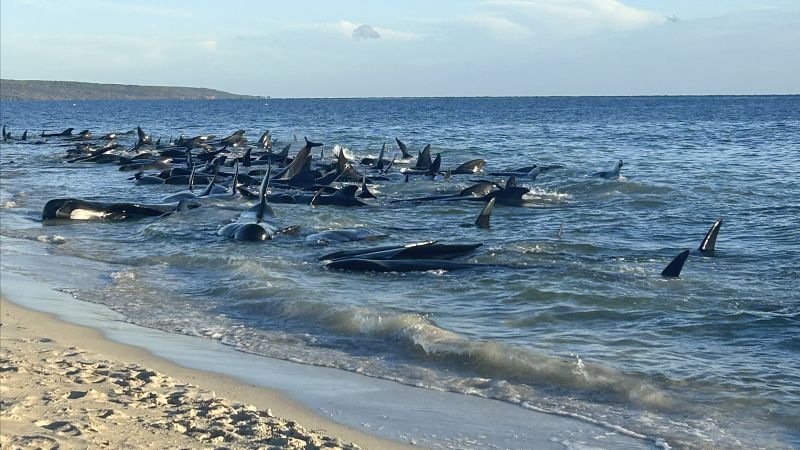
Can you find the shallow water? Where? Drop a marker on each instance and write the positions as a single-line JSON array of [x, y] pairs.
[[580, 324]]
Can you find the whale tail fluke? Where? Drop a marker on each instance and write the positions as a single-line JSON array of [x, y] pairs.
[[673, 269], [310, 144], [710, 241], [485, 215]]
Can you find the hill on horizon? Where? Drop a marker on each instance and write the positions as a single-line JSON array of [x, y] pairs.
[[76, 90]]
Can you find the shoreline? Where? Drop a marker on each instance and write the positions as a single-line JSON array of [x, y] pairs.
[[371, 412], [80, 402]]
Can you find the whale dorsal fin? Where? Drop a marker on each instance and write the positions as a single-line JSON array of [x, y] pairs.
[[235, 178], [485, 215], [710, 241], [385, 171], [673, 269], [315, 198], [246, 159], [436, 165], [263, 206], [403, 148], [210, 186], [511, 182], [380, 157]]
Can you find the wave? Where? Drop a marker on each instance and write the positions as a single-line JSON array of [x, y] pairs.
[[424, 341]]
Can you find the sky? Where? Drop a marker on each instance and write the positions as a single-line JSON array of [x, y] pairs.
[[359, 48]]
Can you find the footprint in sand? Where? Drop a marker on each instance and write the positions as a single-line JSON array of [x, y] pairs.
[[35, 441], [91, 394], [59, 426]]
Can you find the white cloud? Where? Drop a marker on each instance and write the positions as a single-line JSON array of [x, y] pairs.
[[498, 26], [208, 45], [579, 16]]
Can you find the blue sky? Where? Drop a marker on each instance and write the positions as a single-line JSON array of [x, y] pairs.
[[355, 48]]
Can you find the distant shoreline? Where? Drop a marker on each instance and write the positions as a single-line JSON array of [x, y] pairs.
[[40, 90], [23, 90]]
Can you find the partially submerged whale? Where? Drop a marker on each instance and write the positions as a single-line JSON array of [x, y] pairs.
[[345, 235], [609, 174], [673, 269], [78, 209], [258, 229], [710, 241], [420, 256]]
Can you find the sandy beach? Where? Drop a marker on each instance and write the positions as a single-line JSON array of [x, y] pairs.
[[66, 386]]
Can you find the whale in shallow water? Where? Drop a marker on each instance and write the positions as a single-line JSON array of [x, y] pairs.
[[710, 241], [78, 209], [403, 149], [345, 196], [258, 229], [483, 219], [416, 250], [400, 265], [673, 269], [610, 174], [67, 132], [345, 235], [469, 167]]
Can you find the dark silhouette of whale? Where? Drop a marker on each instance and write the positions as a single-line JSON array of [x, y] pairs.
[[78, 209]]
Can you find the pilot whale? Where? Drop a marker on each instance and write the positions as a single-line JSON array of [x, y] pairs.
[[610, 174], [78, 209]]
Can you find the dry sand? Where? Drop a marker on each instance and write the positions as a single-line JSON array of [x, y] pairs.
[[66, 386]]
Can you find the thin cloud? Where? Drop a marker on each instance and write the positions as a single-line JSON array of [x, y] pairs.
[[579, 16], [500, 27]]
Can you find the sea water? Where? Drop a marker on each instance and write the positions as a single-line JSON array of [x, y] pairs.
[[577, 323]]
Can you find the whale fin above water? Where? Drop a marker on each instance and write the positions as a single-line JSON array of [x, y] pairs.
[[385, 171], [403, 149], [379, 164], [310, 144], [673, 269], [485, 215], [710, 241]]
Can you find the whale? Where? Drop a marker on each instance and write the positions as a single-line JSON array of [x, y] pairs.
[[258, 229], [365, 192], [142, 139], [486, 213], [235, 139], [378, 163], [67, 132], [424, 159], [417, 250], [345, 196], [610, 174], [401, 265], [403, 149], [710, 241], [79, 209], [478, 190], [673, 269], [431, 170], [300, 162], [469, 167], [345, 235]]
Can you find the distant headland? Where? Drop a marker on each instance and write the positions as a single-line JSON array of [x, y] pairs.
[[74, 90]]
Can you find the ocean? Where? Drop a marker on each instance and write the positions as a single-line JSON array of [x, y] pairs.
[[577, 322]]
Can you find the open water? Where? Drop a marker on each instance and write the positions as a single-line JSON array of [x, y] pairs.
[[580, 324]]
